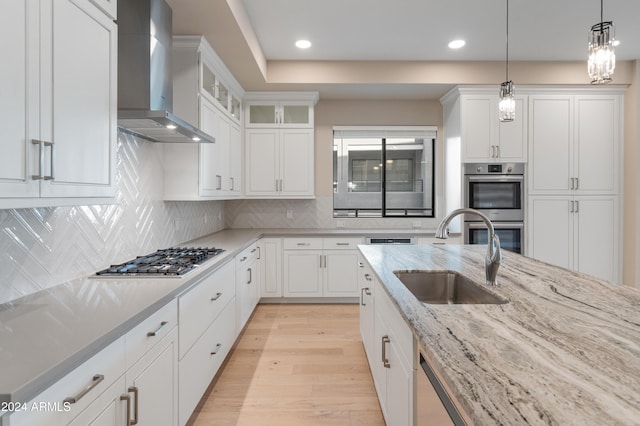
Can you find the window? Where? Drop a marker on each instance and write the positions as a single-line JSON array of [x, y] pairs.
[[383, 172]]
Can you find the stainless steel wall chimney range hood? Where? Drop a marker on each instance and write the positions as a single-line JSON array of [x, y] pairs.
[[145, 84]]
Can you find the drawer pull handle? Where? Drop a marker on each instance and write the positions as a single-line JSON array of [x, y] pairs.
[[127, 413], [215, 351], [95, 381], [385, 360], [342, 244], [365, 290], [216, 297], [304, 244], [254, 250], [40, 159], [367, 277], [134, 389], [163, 324], [243, 259], [360, 264]]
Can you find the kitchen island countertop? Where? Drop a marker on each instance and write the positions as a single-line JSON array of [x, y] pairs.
[[565, 350]]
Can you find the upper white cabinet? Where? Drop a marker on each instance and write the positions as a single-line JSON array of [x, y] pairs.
[[207, 95], [575, 143], [473, 114], [279, 145], [59, 132]]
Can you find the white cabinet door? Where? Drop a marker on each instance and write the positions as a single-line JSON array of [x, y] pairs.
[[153, 384], [19, 100], [550, 144], [270, 258], [478, 120], [341, 273], [597, 230], [210, 178], [512, 135], [399, 387], [262, 162], [296, 163], [78, 103], [367, 312], [235, 150], [596, 144], [551, 223], [302, 273]]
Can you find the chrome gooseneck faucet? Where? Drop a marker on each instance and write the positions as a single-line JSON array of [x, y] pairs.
[[493, 258]]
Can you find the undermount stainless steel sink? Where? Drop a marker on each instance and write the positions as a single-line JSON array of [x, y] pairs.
[[446, 287]]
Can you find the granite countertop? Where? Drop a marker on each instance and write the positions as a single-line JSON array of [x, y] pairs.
[[564, 350]]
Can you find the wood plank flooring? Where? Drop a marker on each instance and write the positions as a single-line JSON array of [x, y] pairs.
[[294, 365]]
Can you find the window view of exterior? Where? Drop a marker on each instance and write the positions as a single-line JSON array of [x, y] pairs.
[[383, 176]]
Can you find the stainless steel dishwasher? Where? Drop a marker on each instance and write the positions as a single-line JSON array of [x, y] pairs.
[[433, 404], [390, 240]]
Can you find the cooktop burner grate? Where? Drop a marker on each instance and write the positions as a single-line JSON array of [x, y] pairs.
[[174, 261]]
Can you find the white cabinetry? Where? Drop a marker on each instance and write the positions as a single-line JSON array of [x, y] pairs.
[[59, 112], [392, 366], [575, 169], [366, 281], [207, 95], [279, 145], [321, 267], [135, 376], [270, 260], [247, 283], [575, 144], [207, 317], [579, 233], [483, 138]]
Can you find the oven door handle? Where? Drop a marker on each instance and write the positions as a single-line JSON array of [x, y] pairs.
[[495, 178], [496, 225]]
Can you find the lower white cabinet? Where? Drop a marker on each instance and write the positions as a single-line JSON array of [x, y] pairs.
[[201, 363], [247, 283], [388, 342], [367, 308], [321, 267], [270, 262], [132, 379], [579, 233]]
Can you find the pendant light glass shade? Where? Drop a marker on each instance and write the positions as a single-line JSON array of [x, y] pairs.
[[507, 102], [602, 56]]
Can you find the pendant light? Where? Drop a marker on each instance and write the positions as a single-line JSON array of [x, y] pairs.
[[602, 57], [507, 102]]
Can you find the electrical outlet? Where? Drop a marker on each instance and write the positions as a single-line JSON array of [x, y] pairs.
[[289, 214]]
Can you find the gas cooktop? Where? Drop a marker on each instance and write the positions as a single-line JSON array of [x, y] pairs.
[[171, 262]]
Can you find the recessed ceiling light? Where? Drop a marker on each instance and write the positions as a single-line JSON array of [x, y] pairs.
[[303, 44], [172, 126], [195, 139], [456, 44]]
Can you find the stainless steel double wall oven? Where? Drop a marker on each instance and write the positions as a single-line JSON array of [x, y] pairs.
[[496, 190]]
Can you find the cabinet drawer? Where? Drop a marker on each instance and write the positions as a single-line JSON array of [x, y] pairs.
[[247, 255], [200, 364], [85, 383], [150, 331], [302, 244], [341, 243], [201, 305], [399, 328]]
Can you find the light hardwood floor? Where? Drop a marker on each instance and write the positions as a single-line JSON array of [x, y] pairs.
[[294, 365]]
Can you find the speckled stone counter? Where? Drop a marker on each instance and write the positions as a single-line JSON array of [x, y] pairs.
[[565, 350]]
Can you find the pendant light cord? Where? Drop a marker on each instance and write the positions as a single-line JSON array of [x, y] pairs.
[[507, 64]]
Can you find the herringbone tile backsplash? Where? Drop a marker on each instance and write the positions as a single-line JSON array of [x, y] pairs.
[[42, 247]]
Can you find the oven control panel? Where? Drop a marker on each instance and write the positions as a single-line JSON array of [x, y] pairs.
[[494, 169]]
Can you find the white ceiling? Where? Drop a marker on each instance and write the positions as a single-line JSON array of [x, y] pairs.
[[399, 30], [539, 30]]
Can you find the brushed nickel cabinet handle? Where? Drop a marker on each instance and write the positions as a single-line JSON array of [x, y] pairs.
[[342, 244], [127, 412], [134, 389], [95, 381], [577, 206], [259, 252], [39, 176], [385, 360], [577, 183], [217, 348], [218, 182], [163, 324], [52, 161], [216, 297], [367, 277], [250, 275], [360, 264]]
